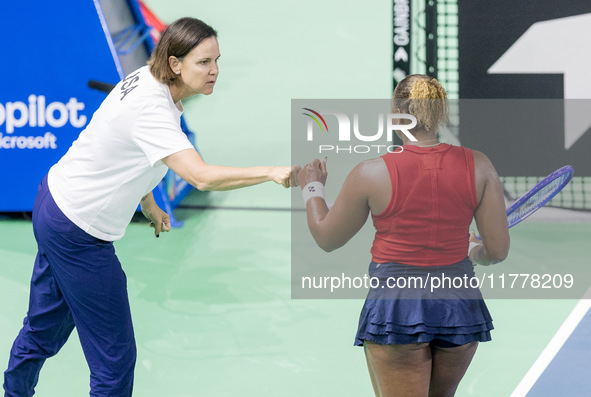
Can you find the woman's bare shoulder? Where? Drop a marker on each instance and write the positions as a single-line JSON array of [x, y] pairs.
[[483, 165]]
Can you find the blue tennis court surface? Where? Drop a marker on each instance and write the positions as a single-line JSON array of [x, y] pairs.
[[570, 370]]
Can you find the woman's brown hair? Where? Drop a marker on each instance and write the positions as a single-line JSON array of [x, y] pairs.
[[177, 40]]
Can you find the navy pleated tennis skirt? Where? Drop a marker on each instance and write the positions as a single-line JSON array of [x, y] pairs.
[[440, 304]]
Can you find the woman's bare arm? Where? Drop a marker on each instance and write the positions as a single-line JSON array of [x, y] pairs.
[[189, 165], [490, 215], [332, 229]]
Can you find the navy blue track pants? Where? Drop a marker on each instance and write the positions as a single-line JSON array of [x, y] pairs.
[[77, 282]]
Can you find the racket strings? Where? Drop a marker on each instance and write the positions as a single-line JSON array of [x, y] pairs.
[[537, 200]]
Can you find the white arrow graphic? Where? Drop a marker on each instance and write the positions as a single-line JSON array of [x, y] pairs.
[[557, 46], [401, 55]]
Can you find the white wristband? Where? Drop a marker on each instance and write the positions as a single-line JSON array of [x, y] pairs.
[[312, 189], [471, 246]]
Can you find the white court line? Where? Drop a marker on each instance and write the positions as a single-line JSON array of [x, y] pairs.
[[558, 340]]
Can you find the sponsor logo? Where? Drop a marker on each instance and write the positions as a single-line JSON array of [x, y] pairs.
[[37, 113]]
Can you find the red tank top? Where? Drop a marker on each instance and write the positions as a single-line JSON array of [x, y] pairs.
[[433, 199]]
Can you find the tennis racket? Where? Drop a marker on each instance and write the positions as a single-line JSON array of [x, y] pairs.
[[538, 196]]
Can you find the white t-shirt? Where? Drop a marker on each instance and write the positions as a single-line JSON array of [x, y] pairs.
[[116, 160]]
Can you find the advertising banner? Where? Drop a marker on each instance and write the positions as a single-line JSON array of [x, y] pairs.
[[49, 57], [527, 52]]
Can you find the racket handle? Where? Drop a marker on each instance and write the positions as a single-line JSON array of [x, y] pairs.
[[97, 85]]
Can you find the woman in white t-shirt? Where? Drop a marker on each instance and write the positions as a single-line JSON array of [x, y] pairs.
[[88, 198]]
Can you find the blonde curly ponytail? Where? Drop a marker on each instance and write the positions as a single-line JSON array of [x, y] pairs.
[[423, 97]]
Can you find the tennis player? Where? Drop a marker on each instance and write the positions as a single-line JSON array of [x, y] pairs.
[[89, 197], [422, 202]]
